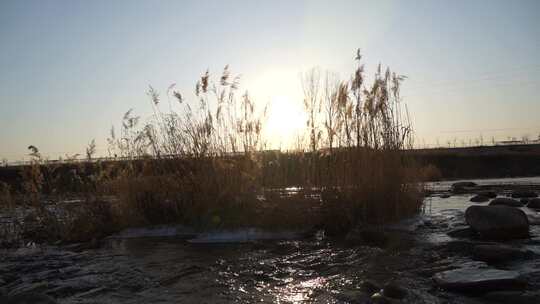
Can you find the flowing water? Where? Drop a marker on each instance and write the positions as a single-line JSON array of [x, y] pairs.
[[161, 266]]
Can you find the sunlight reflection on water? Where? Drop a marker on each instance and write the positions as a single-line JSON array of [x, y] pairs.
[[299, 292]]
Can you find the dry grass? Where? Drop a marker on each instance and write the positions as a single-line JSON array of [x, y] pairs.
[[203, 162]]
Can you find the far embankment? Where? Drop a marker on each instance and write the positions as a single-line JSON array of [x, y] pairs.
[[483, 161], [451, 163]]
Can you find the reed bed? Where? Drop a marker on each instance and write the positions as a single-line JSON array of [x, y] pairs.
[[203, 162]]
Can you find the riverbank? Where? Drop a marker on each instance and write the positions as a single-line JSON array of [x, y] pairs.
[[481, 162]]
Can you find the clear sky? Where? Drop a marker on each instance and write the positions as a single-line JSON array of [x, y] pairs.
[[70, 69]]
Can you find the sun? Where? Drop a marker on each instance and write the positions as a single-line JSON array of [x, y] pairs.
[[285, 121], [279, 89]]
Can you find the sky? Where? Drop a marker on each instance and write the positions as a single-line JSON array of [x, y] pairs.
[[70, 69]]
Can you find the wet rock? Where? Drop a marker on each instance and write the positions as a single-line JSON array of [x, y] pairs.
[[498, 222], [461, 187], [479, 280], [506, 201], [534, 203], [393, 290], [479, 198], [461, 232], [369, 287], [499, 253], [378, 298], [524, 193], [27, 298]]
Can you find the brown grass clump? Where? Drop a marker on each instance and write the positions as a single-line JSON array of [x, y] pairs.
[[204, 164]]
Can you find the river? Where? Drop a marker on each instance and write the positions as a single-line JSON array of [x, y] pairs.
[[161, 266]]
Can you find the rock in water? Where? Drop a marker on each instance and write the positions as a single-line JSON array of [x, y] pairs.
[[461, 187], [506, 201], [479, 198], [498, 222], [378, 298], [534, 203], [479, 280]]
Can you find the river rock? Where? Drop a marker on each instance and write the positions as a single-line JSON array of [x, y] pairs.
[[524, 193], [379, 298], [506, 201], [534, 203], [498, 222], [499, 253], [479, 280], [463, 186], [479, 198]]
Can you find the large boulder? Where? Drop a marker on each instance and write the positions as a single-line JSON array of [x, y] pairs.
[[498, 222], [506, 201], [478, 280]]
